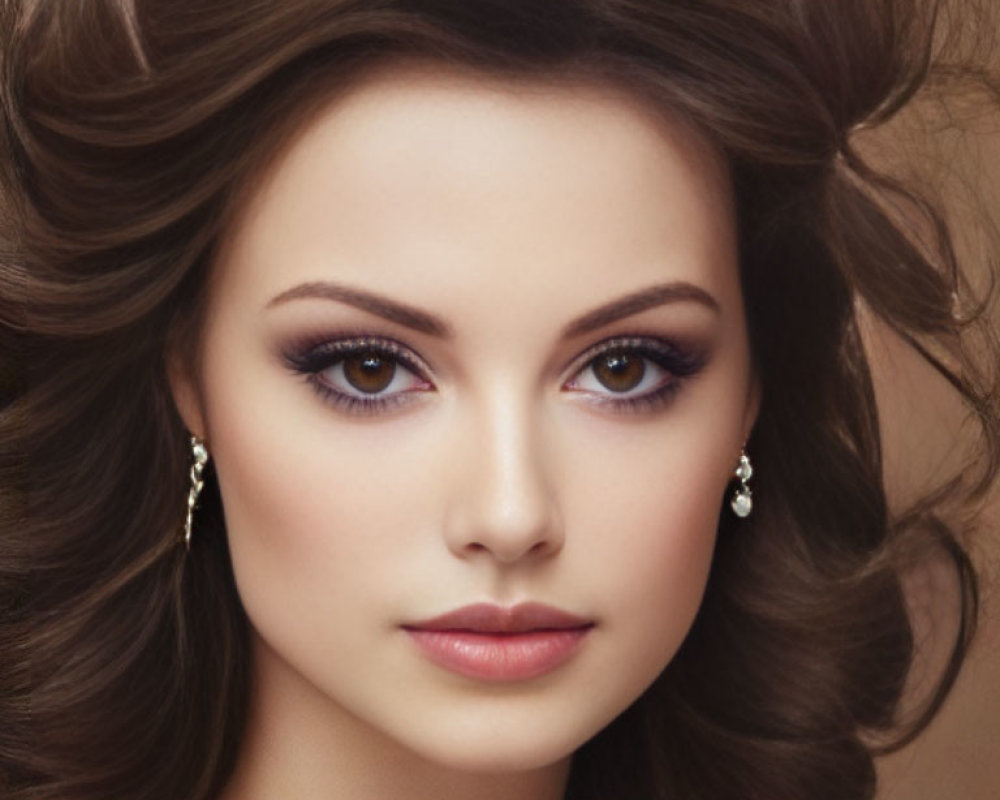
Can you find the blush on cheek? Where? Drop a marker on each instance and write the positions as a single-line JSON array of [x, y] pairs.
[[675, 564], [660, 532]]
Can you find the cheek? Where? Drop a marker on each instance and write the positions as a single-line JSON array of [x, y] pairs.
[[316, 513], [646, 537]]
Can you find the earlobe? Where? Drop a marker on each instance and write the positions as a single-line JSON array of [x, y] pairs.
[[187, 398]]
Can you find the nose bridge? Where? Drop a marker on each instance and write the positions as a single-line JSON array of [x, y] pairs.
[[508, 506]]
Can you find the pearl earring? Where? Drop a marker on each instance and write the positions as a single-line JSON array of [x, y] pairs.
[[199, 458], [742, 502]]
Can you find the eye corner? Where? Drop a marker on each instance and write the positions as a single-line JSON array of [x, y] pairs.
[[323, 361], [667, 363]]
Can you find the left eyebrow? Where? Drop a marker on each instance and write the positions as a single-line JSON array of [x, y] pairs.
[[636, 302]]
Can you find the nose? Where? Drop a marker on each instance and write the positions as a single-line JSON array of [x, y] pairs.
[[505, 505]]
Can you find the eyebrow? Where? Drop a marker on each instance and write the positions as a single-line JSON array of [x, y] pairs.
[[636, 302], [376, 304], [415, 319]]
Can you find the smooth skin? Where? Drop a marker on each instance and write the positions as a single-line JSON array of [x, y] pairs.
[[488, 231]]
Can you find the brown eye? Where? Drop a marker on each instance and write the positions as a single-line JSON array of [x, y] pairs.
[[369, 372], [618, 370]]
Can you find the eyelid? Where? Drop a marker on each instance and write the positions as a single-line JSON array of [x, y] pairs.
[[679, 360], [310, 358], [304, 354]]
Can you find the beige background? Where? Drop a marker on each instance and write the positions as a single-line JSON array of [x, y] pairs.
[[955, 150]]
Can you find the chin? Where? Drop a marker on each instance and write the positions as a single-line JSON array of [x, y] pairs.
[[492, 751]]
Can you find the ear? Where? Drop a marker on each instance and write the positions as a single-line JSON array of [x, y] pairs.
[[184, 388]]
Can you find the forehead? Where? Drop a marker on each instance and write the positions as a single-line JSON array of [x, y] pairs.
[[417, 177]]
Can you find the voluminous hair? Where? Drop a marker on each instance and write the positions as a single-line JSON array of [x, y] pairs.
[[131, 131]]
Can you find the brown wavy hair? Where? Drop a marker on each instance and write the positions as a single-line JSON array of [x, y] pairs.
[[132, 129]]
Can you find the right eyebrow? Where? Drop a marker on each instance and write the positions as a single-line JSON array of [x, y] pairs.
[[379, 305]]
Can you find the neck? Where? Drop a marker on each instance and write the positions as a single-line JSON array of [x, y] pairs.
[[299, 743]]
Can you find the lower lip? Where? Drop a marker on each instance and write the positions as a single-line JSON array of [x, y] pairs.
[[500, 656]]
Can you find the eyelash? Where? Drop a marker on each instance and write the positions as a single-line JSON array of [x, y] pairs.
[[679, 364], [311, 360]]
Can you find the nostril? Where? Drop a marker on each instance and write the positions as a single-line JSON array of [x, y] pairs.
[[539, 548]]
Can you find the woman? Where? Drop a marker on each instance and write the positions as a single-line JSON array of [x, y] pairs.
[[440, 399]]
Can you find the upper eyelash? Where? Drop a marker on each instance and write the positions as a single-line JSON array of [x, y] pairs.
[[310, 359], [317, 357], [680, 362]]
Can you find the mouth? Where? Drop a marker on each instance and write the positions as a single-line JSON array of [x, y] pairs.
[[493, 643]]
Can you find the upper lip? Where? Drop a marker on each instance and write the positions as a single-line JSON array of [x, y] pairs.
[[488, 618]]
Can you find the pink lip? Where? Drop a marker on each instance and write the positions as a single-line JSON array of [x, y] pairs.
[[489, 642]]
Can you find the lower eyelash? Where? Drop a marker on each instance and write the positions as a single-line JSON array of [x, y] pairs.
[[680, 363], [656, 400], [361, 406], [311, 360]]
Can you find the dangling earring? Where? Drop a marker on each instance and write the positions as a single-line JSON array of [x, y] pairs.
[[742, 502], [199, 458]]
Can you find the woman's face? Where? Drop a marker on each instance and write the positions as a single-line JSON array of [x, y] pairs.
[[472, 344]]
